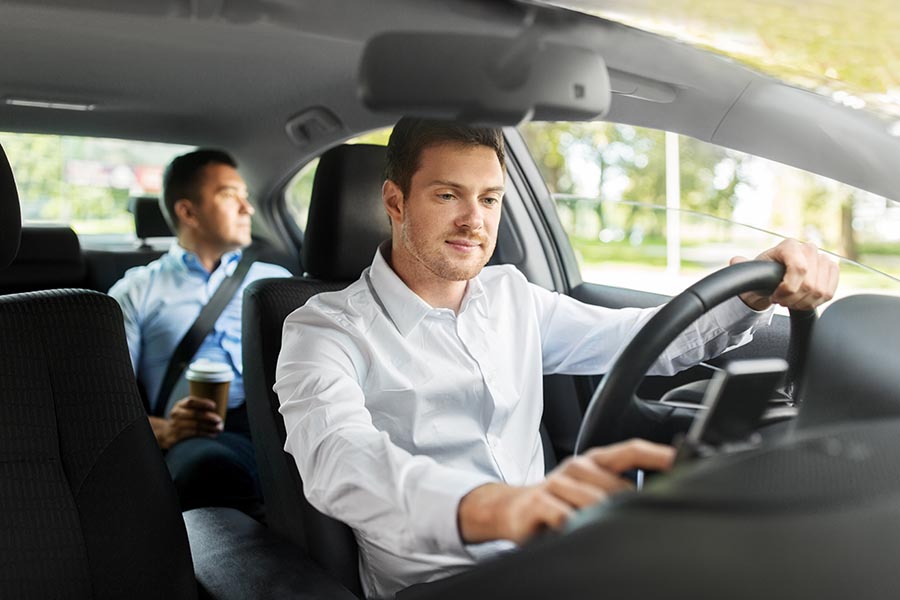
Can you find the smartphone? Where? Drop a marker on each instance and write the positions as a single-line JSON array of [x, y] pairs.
[[734, 403]]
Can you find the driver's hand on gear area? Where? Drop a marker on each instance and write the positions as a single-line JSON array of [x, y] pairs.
[[810, 277], [499, 511]]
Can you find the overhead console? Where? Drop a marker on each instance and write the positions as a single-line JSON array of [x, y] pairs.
[[483, 79]]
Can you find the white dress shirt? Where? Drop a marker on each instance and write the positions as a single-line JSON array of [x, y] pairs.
[[395, 410]]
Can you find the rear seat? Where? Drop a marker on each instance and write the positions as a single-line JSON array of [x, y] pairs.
[[48, 258], [106, 267], [51, 257]]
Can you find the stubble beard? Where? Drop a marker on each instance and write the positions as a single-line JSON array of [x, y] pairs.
[[433, 259]]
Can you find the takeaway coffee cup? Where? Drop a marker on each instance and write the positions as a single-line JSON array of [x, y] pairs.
[[208, 379]]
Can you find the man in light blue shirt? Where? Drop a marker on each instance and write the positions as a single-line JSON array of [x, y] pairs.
[[206, 203]]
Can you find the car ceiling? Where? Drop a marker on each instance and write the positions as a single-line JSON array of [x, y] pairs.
[[233, 74]]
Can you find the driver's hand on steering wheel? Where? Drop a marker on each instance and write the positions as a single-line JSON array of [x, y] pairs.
[[499, 511], [810, 277]]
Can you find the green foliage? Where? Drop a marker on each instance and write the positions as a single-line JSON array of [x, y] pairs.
[[822, 45], [46, 193], [632, 166]]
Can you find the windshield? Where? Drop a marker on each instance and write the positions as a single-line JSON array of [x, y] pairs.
[[849, 51], [654, 211]]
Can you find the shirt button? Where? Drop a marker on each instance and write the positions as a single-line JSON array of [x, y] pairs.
[[492, 440]]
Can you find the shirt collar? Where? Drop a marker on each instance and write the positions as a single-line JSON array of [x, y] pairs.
[[182, 257], [403, 306]]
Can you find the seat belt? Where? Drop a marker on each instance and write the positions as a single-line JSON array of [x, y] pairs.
[[205, 322]]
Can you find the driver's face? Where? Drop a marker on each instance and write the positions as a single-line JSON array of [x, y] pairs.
[[448, 220]]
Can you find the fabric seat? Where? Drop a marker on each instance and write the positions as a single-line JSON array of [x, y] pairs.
[[87, 508], [106, 267], [48, 258], [346, 223]]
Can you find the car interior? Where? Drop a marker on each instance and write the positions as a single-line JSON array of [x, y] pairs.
[[87, 509]]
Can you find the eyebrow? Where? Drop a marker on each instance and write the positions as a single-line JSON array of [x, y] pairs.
[[453, 184], [229, 186]]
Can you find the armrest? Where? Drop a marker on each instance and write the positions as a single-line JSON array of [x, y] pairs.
[[237, 558]]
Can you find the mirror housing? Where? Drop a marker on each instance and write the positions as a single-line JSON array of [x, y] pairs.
[[485, 80]]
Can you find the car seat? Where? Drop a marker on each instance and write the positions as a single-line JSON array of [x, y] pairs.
[[346, 223], [49, 257], [87, 508]]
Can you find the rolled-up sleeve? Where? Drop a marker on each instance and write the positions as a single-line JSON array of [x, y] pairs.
[[581, 339], [351, 471]]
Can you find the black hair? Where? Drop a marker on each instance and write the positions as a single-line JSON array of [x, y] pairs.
[[181, 179]]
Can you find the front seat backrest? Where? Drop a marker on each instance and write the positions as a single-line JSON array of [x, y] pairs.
[[346, 223], [10, 213], [87, 507]]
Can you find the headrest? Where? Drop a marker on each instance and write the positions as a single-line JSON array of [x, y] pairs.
[[149, 221], [10, 213], [851, 371], [346, 221], [48, 258]]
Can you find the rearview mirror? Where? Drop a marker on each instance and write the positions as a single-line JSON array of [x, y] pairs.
[[481, 79]]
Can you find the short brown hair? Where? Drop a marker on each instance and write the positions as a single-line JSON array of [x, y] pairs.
[[410, 136]]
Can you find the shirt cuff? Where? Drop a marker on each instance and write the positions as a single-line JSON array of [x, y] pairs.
[[734, 316], [437, 507]]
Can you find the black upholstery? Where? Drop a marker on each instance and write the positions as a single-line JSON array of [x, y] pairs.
[[237, 558], [10, 213], [346, 224], [346, 220], [48, 258], [330, 543], [149, 221], [86, 503], [87, 508], [106, 267], [846, 363]]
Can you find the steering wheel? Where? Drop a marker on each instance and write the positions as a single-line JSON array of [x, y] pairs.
[[616, 395]]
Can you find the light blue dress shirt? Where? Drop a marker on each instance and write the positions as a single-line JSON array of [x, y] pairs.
[[162, 300]]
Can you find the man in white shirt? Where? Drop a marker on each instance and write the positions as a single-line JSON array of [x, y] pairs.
[[412, 399]]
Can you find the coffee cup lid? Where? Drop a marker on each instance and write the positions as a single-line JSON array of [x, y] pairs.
[[209, 371]]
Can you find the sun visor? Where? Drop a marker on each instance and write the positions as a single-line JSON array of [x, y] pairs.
[[482, 79]]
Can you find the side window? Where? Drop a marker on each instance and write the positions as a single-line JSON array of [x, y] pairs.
[[86, 183], [655, 211], [299, 191]]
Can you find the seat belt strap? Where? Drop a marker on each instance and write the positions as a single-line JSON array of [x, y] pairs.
[[201, 328]]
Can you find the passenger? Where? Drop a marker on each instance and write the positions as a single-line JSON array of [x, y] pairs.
[[413, 398], [205, 201]]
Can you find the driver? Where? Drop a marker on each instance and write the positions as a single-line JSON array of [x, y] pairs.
[[412, 399]]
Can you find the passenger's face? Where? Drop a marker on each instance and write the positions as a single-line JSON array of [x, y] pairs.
[[223, 211], [448, 221]]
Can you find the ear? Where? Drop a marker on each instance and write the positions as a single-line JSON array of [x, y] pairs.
[[392, 197], [186, 213]]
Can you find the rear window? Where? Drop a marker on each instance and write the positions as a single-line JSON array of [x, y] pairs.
[[86, 183]]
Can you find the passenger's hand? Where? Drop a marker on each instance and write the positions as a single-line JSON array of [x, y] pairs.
[[190, 417], [810, 277], [499, 511]]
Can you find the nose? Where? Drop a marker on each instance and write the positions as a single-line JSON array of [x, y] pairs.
[[246, 207], [469, 216]]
